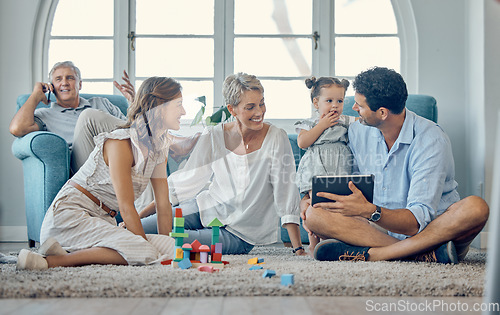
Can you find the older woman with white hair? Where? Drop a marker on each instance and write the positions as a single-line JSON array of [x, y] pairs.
[[241, 173]]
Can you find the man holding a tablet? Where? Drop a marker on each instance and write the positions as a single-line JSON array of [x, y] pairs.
[[416, 211]]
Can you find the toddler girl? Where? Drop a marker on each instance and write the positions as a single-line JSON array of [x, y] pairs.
[[324, 135]]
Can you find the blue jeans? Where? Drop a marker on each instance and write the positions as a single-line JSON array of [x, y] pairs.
[[231, 244]]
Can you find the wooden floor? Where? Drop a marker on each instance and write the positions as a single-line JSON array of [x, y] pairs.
[[238, 305]]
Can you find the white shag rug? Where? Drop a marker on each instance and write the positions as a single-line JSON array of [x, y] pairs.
[[311, 277]]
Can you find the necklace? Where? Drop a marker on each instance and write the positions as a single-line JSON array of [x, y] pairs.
[[248, 142]]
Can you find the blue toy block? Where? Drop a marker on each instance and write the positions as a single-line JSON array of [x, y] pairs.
[[287, 279], [255, 267], [260, 260], [185, 264], [268, 273]]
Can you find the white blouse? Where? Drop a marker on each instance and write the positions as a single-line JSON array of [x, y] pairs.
[[247, 193]]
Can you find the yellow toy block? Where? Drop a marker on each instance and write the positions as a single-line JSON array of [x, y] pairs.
[[253, 261]]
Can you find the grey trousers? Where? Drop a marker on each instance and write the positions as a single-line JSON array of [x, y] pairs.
[[91, 123]]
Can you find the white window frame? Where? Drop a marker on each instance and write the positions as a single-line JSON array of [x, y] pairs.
[[322, 64]]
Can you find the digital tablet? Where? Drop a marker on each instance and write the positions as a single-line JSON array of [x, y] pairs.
[[339, 185]]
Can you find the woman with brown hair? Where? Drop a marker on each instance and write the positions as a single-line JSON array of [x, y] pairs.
[[81, 219]]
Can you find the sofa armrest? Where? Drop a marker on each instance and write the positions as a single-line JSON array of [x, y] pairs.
[[45, 157]]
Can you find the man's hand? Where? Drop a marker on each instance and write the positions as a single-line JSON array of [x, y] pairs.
[[39, 91], [127, 88], [351, 205]]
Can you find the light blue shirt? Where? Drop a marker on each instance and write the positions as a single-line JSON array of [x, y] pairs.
[[416, 174]]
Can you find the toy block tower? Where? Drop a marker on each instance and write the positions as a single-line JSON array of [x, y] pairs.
[[178, 234], [216, 248]]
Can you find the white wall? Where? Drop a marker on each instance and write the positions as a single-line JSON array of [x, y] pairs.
[[16, 28], [447, 55]]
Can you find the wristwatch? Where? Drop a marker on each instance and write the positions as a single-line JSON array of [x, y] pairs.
[[375, 215]]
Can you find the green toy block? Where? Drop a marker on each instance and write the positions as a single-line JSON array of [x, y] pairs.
[[172, 234], [178, 229], [215, 230], [179, 241], [215, 222], [179, 222], [215, 239]]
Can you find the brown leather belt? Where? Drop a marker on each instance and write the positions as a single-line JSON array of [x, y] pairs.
[[112, 213]]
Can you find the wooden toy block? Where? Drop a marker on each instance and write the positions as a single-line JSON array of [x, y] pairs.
[[179, 253], [185, 264], [287, 279], [209, 269], [179, 222], [196, 246], [178, 212], [215, 239], [215, 230], [255, 267], [216, 257], [217, 265], [212, 249], [172, 234], [253, 261], [179, 241], [166, 262], [178, 229], [215, 222], [204, 248], [268, 273], [218, 248], [187, 247], [204, 257], [260, 260]]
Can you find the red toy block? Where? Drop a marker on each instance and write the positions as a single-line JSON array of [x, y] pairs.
[[216, 257]]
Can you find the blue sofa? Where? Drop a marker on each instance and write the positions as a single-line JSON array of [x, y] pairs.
[[46, 160]]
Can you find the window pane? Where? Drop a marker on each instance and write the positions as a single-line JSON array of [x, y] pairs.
[[273, 17], [354, 55], [83, 18], [190, 91], [97, 87], [175, 17], [364, 17], [178, 57], [193, 89], [273, 56], [94, 58], [286, 99]]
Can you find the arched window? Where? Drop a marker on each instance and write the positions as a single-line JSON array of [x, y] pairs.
[[200, 42]]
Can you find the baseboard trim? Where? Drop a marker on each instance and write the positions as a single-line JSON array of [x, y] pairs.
[[13, 233]]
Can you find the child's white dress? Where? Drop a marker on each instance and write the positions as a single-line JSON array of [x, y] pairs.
[[328, 155]]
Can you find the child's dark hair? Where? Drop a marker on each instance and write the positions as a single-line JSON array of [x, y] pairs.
[[315, 85]]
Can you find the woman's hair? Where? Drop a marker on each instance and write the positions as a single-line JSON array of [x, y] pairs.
[[236, 84], [382, 87], [152, 93], [65, 64], [315, 85]]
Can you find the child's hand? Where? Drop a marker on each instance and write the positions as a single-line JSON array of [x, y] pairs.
[[329, 119]]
